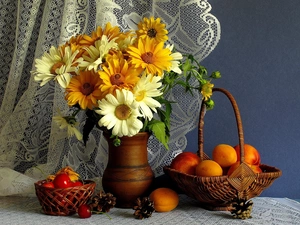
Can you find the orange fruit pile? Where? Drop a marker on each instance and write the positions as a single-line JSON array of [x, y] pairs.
[[225, 159]]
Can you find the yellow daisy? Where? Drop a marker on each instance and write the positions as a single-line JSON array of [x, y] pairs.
[[151, 56], [144, 91], [120, 113], [118, 74], [206, 90], [109, 31], [153, 29], [84, 89]]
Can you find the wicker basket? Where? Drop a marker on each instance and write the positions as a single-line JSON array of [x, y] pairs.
[[63, 201], [218, 193]]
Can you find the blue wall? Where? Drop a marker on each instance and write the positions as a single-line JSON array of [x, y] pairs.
[[259, 58]]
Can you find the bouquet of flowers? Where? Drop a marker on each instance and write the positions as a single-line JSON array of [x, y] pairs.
[[121, 79]]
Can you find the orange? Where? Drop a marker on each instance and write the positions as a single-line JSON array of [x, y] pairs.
[[208, 168], [225, 155], [165, 199]]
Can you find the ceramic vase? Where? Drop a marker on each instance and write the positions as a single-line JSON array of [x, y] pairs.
[[128, 174]]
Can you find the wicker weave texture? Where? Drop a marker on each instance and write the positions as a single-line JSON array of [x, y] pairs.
[[218, 193], [63, 201]]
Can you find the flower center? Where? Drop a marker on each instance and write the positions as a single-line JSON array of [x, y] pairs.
[[140, 96], [122, 112], [117, 79], [70, 120], [56, 66], [87, 89], [151, 33], [147, 57]]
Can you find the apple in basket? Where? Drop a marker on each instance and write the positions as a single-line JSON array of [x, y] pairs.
[[251, 154], [185, 162], [64, 178], [48, 184], [62, 193]]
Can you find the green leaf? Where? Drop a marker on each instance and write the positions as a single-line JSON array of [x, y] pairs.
[[165, 116], [158, 128]]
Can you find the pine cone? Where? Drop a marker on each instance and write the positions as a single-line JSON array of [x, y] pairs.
[[242, 209], [143, 208], [102, 202]]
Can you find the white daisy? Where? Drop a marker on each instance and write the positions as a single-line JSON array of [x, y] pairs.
[[70, 123], [148, 87], [120, 113], [56, 65], [175, 62], [97, 53]]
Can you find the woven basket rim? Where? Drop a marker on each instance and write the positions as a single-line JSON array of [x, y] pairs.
[[276, 170], [85, 182]]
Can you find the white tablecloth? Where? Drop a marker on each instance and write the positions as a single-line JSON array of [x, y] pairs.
[[26, 210]]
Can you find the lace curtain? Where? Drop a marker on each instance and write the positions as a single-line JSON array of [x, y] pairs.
[[31, 144]]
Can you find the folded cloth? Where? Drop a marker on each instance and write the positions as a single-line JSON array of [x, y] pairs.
[[15, 183]]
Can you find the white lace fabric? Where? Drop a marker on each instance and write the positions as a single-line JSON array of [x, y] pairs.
[[31, 145]]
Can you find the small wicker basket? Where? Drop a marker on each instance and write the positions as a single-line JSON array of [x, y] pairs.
[[218, 193], [63, 201]]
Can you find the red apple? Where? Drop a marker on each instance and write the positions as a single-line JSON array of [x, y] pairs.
[[185, 162], [251, 155], [62, 180]]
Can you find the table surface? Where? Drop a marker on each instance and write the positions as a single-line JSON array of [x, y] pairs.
[[27, 210]]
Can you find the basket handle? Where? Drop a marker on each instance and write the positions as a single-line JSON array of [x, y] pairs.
[[238, 122]]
